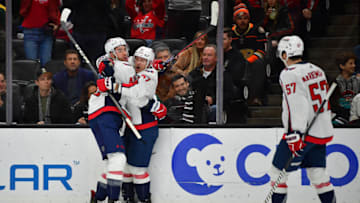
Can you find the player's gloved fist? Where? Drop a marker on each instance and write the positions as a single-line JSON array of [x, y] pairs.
[[105, 66], [295, 142], [106, 84], [159, 65], [159, 110]]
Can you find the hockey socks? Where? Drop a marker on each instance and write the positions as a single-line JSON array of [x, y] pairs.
[[143, 191], [101, 191], [128, 191], [113, 189], [328, 197], [278, 198]]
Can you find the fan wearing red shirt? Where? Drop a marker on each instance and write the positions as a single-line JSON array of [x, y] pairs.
[[146, 16], [41, 18]]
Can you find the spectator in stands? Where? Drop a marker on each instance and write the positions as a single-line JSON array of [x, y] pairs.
[[118, 26], [185, 106], [46, 105], [191, 58], [16, 101], [91, 24], [355, 110], [2, 16], [301, 12], [357, 62], [255, 8], [146, 15], [2, 33], [72, 79], [41, 19], [164, 90], [183, 18], [277, 23], [250, 40], [203, 80], [348, 87], [234, 66], [81, 107]]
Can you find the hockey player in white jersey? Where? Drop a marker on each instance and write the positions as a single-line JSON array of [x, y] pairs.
[[145, 112], [105, 119], [304, 88]]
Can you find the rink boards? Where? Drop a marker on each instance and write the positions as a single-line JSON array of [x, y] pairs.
[[197, 165]]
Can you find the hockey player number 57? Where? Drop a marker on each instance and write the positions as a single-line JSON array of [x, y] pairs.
[[315, 86]]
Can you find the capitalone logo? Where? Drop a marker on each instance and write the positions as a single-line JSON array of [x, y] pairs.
[[198, 164]]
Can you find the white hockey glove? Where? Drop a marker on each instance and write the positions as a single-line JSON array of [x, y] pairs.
[[295, 142]]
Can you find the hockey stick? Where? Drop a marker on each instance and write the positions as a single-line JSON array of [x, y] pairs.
[[213, 24], [64, 16], [283, 171]]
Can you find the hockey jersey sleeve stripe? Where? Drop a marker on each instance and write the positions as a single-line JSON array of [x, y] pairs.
[[315, 140], [146, 125], [129, 84], [252, 58], [105, 109]]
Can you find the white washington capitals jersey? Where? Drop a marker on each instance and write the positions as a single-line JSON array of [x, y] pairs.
[[139, 94], [100, 102], [304, 88]]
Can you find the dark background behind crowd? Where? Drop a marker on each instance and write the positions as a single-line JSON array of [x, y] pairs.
[[252, 31]]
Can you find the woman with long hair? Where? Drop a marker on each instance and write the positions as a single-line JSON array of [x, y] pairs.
[[191, 58]]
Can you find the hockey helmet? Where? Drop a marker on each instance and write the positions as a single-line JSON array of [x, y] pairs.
[[291, 45], [146, 53], [112, 43]]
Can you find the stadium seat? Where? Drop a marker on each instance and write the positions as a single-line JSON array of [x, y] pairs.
[[24, 70], [134, 44], [59, 48], [174, 44], [204, 22], [18, 47], [55, 66], [28, 90]]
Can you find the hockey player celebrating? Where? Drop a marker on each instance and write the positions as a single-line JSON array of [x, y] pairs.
[[140, 100], [304, 88], [105, 121], [145, 111]]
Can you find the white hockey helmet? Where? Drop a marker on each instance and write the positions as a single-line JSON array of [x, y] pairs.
[[146, 53], [291, 45], [112, 43]]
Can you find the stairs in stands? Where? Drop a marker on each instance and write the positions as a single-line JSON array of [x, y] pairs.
[[342, 34], [269, 115]]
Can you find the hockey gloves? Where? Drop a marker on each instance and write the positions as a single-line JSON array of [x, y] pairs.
[[295, 142], [108, 84], [159, 65], [105, 66], [159, 110]]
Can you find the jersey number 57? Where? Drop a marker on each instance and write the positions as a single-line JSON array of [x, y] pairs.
[[323, 85]]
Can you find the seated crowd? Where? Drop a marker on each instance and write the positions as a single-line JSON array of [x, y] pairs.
[[187, 86]]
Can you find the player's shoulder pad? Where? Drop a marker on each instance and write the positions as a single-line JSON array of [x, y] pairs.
[[150, 73], [288, 72], [120, 64]]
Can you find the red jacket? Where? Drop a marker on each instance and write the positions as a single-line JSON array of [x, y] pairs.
[[144, 25], [37, 13]]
